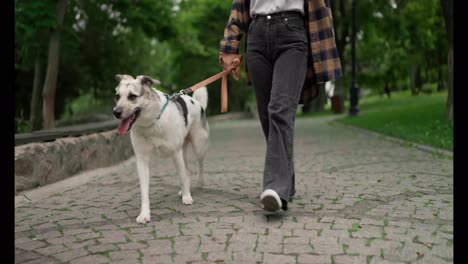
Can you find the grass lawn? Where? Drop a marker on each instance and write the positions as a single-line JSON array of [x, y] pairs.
[[420, 119]]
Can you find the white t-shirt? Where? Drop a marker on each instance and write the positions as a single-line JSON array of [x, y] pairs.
[[265, 7]]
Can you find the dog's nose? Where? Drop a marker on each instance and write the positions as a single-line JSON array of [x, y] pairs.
[[117, 112]]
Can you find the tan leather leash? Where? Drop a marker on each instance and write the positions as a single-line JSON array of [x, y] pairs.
[[224, 91], [224, 98]]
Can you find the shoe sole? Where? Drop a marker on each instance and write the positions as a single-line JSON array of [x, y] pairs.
[[270, 204]]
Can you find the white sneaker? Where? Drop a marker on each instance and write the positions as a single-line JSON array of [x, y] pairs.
[[270, 200]]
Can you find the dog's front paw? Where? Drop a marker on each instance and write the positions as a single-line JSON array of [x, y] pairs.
[[143, 218], [187, 199]]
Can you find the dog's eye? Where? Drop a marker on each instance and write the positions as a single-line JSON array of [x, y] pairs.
[[132, 97], [117, 97]]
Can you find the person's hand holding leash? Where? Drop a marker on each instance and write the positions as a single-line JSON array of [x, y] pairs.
[[231, 61]]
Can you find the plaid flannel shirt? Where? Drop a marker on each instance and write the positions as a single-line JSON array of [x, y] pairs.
[[323, 61]]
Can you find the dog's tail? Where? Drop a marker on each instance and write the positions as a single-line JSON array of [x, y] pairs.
[[201, 95]]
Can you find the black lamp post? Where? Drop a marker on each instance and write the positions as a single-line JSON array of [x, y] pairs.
[[354, 89]]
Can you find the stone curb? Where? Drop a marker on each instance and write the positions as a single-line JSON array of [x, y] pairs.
[[68, 183], [85, 176]]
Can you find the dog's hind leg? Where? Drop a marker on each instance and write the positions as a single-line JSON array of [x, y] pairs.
[[201, 176], [189, 172], [184, 149], [200, 148], [184, 178]]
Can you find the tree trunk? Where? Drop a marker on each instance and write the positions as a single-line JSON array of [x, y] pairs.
[[447, 7], [340, 40], [338, 97], [450, 84], [35, 114], [413, 79], [50, 83], [440, 79], [387, 89], [418, 79], [319, 103]]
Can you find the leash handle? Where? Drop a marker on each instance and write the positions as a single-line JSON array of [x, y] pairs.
[[224, 94], [206, 81], [224, 97]]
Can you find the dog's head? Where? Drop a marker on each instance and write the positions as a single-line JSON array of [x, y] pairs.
[[133, 96]]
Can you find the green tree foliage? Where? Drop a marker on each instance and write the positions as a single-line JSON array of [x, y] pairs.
[[393, 38], [177, 41]]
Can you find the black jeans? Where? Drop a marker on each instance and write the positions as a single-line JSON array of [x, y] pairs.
[[277, 60]]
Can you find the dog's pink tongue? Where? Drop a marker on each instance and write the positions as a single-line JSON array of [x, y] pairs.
[[123, 126]]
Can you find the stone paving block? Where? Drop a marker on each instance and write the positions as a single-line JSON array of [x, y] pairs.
[[317, 226], [113, 236], [26, 256], [140, 237], [124, 254], [50, 250], [380, 260], [24, 236], [42, 260], [251, 230], [269, 248], [344, 259], [297, 240], [157, 247], [168, 231], [313, 259], [49, 234], [31, 245], [231, 219], [186, 244], [71, 254], [280, 259], [210, 247], [133, 245], [334, 233], [86, 236], [126, 261], [239, 246], [102, 248], [218, 256], [247, 257], [297, 249], [141, 230], [327, 249], [157, 259], [90, 259], [222, 232], [244, 238], [368, 231], [106, 227], [345, 224], [443, 252], [292, 225], [87, 243], [76, 231], [327, 219], [273, 239], [369, 221], [197, 231], [360, 246]]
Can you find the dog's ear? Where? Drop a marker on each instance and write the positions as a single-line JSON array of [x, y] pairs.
[[145, 80], [119, 77]]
